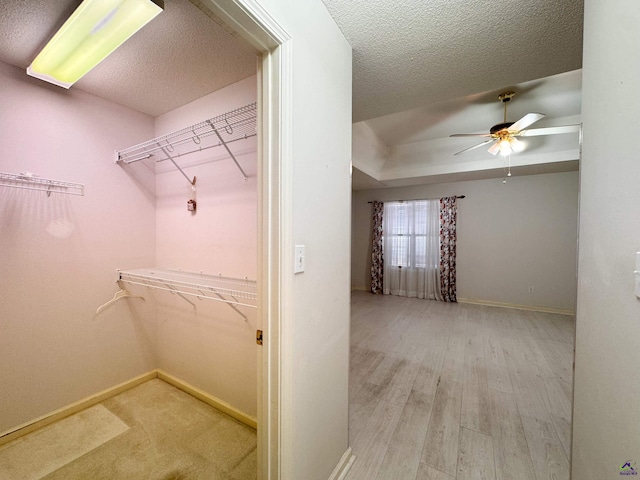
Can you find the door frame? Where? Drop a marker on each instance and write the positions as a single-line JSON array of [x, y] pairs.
[[248, 20]]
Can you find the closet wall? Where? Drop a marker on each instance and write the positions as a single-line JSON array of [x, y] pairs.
[[211, 347], [60, 253]]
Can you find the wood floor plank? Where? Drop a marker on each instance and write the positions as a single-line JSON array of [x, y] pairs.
[[535, 326], [476, 407], [567, 323], [429, 371], [441, 443], [363, 406], [363, 363], [526, 354], [475, 456], [548, 456], [453, 361], [559, 407], [528, 386], [402, 382], [425, 472], [561, 328], [497, 370], [405, 448], [559, 357], [386, 370], [371, 443], [510, 449]]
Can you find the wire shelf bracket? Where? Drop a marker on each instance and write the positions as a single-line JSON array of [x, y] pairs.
[[234, 292], [230, 127], [29, 181]]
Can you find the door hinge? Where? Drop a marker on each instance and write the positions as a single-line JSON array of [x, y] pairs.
[[259, 337]]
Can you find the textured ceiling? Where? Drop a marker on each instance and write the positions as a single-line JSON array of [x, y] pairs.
[[418, 65], [180, 56], [408, 53]]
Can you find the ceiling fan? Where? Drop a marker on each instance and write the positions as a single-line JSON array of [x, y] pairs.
[[504, 135]]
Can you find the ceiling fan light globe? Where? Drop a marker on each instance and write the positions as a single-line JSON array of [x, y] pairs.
[[517, 146], [505, 147]]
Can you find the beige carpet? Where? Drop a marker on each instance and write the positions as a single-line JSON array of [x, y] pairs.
[[153, 431]]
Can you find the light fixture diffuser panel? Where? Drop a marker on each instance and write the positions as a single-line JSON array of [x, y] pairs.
[[93, 31], [47, 78]]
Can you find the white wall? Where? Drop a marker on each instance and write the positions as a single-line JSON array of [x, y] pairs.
[[316, 327], [211, 347], [368, 152], [510, 236], [60, 253], [606, 421]]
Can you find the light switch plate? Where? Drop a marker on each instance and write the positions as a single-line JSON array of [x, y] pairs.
[[298, 261]]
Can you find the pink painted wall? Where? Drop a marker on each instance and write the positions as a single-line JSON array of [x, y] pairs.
[[209, 346], [60, 253]]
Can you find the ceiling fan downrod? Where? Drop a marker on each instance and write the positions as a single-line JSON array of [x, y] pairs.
[[504, 98]]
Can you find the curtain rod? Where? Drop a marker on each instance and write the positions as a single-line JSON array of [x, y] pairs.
[[418, 199]]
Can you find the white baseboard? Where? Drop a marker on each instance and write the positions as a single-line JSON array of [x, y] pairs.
[[343, 466], [208, 399], [49, 418], [59, 414], [531, 308]]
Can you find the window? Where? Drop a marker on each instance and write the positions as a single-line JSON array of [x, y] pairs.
[[407, 233]]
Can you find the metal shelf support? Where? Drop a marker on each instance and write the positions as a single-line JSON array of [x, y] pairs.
[[234, 292], [233, 126]]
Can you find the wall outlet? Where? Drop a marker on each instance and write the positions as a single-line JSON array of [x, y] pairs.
[[530, 288]]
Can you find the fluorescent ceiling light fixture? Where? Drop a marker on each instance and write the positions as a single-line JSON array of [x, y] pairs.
[[95, 29]]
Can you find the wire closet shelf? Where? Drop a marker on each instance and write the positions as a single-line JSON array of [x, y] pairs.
[[29, 181], [230, 127], [233, 291]]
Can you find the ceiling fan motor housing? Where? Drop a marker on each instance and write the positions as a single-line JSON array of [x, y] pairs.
[[503, 135], [501, 126]]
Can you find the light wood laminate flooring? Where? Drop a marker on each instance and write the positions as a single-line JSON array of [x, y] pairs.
[[446, 391]]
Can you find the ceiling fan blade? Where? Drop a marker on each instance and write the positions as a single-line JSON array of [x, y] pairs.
[[475, 146], [494, 149], [470, 135], [525, 121], [550, 130]]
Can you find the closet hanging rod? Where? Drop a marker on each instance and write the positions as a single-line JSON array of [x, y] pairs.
[[233, 291], [29, 181]]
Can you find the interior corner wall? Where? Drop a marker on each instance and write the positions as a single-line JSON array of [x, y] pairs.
[[209, 345], [606, 413], [60, 252], [510, 237]]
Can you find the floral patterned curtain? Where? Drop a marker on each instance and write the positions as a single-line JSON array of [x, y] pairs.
[[448, 213], [377, 259]]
